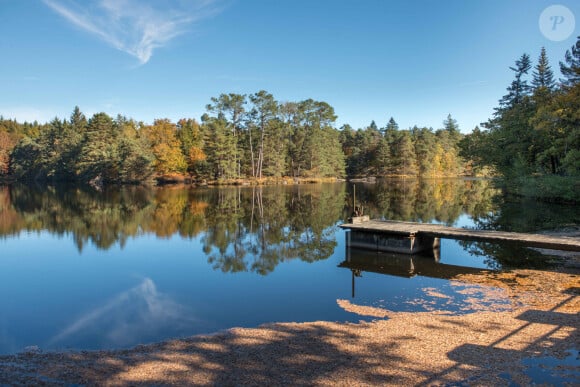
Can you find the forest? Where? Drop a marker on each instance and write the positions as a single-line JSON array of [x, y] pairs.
[[532, 140], [240, 137]]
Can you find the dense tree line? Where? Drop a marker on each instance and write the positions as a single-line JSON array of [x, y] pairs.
[[101, 149], [240, 136], [535, 130], [389, 151]]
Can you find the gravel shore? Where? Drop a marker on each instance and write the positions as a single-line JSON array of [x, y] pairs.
[[534, 339]]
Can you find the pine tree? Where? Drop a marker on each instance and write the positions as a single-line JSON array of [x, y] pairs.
[[390, 131], [135, 157], [392, 126], [424, 140], [450, 125], [231, 107], [474, 147], [71, 145], [519, 87], [351, 149], [263, 113], [78, 121], [571, 70], [292, 117], [220, 148], [383, 158], [543, 76], [404, 157], [312, 116], [98, 153], [275, 149], [557, 122], [50, 145]]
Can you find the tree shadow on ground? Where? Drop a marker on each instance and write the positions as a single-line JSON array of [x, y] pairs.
[[275, 355], [520, 357]]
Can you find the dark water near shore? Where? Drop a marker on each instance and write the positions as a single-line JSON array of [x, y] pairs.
[[83, 269]]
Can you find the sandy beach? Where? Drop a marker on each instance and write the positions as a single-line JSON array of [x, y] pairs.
[[522, 328]]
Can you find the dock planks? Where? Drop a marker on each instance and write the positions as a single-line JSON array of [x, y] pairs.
[[441, 231]]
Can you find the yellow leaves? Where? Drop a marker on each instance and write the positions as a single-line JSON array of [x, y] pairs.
[[168, 159], [166, 147], [6, 145], [437, 159], [196, 154], [162, 131]]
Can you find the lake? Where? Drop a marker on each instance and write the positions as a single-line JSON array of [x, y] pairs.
[[83, 269]]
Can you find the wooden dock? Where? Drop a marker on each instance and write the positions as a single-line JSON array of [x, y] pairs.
[[426, 230]]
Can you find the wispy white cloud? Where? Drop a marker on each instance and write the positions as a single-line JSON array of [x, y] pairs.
[[136, 27]]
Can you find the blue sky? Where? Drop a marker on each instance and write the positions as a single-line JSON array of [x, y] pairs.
[[370, 59]]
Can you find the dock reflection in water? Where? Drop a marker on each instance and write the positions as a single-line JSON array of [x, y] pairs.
[[426, 264]]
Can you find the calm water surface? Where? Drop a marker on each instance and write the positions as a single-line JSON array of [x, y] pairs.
[[81, 269]]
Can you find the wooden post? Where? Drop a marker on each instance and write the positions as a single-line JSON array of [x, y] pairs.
[[348, 245], [437, 249]]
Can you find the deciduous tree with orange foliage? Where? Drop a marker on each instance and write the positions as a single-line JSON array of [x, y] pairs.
[[166, 147], [7, 142]]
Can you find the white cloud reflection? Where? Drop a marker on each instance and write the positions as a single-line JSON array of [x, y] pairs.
[[127, 318]]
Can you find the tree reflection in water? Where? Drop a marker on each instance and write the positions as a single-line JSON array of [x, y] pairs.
[[243, 228]]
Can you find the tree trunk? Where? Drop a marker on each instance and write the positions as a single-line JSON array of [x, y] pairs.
[[251, 152]]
